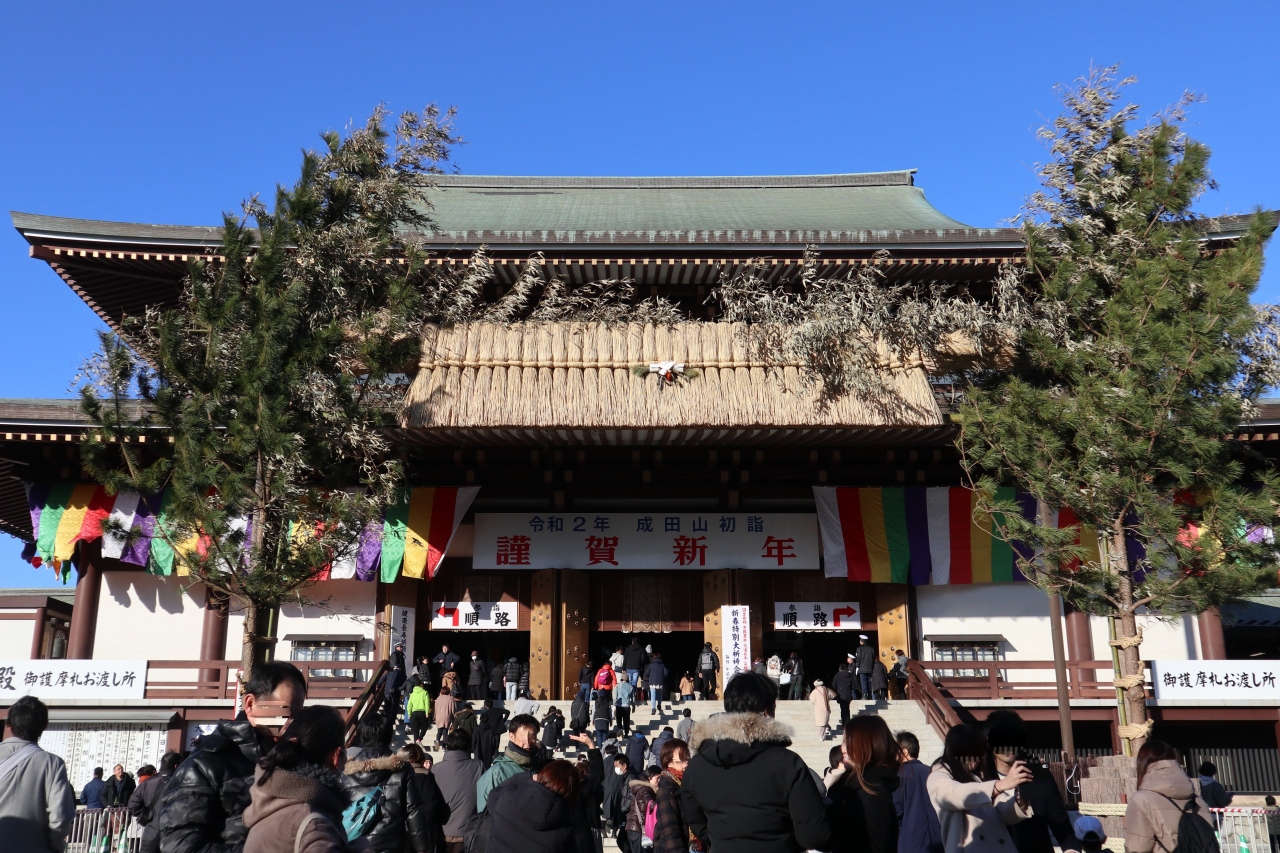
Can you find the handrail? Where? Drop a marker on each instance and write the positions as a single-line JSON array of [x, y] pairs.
[[937, 710], [988, 679], [361, 705]]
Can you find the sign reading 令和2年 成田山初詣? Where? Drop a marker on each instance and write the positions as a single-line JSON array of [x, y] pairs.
[[1215, 680], [653, 540]]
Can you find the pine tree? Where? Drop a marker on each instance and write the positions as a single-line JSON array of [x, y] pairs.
[[275, 377], [1120, 405]]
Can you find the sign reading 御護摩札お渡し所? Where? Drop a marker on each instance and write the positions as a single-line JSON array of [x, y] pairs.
[[646, 541], [1215, 680], [817, 616], [72, 679]]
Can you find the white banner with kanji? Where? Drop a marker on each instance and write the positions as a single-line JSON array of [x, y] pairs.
[[735, 639], [474, 615], [72, 679], [646, 541], [1215, 680], [817, 616]]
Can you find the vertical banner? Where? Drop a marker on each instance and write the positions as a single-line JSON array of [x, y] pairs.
[[735, 624], [402, 629]]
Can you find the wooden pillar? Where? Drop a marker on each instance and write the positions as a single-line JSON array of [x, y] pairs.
[[37, 636], [1213, 645], [716, 592], [891, 621], [1079, 638], [543, 672], [84, 615], [574, 629], [213, 634]]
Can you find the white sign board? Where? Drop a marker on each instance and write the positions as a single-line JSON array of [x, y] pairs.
[[646, 541], [817, 616], [474, 615], [72, 679], [402, 627], [1215, 679], [735, 639]]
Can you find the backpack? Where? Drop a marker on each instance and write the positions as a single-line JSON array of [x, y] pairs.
[[707, 661], [475, 832], [1195, 835], [604, 678], [650, 823], [579, 715], [362, 815]]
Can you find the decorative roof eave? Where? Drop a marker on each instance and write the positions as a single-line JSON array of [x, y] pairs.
[[785, 239]]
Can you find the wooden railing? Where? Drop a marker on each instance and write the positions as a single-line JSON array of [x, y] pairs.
[[990, 679], [365, 702], [937, 710], [206, 679]]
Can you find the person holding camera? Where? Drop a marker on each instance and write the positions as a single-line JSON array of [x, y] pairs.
[[1007, 738], [975, 806]]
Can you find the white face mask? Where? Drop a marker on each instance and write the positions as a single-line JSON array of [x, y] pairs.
[[620, 771]]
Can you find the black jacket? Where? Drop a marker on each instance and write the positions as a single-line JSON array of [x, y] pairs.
[[745, 792], [434, 805], [144, 805], [476, 673], [116, 792], [634, 657], [842, 684], [586, 674], [552, 729], [485, 741], [511, 672], [862, 821], [866, 658], [526, 817], [402, 819], [202, 808], [795, 666], [1048, 813], [496, 674], [446, 662], [656, 672]]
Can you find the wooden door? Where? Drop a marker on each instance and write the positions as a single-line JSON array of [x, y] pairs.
[[575, 626]]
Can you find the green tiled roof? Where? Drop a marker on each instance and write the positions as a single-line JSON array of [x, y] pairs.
[[660, 209]]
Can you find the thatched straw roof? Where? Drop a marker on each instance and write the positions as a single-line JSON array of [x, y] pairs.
[[578, 376]]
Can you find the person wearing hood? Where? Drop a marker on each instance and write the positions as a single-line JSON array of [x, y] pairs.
[[655, 750], [203, 805], [637, 749], [535, 812], [552, 729], [1157, 806], [297, 798], [863, 813], [465, 720], [511, 677], [485, 738], [622, 704], [402, 821], [1211, 790], [419, 707], [1007, 739], [821, 697], [744, 791], [519, 757], [975, 807]]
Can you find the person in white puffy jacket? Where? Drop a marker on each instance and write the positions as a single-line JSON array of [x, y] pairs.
[[975, 812]]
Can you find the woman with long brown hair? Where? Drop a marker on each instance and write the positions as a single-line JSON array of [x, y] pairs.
[[975, 806], [862, 813], [1164, 792], [535, 813]]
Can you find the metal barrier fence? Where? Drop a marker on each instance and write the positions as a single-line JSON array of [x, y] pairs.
[[1245, 830], [1243, 771], [104, 831]]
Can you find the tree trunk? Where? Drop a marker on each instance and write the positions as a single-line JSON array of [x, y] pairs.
[[248, 641], [1135, 697]]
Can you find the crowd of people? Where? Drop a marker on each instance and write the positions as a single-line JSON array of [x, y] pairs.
[[281, 777]]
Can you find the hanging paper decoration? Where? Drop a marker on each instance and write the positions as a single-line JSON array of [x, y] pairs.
[[413, 535]]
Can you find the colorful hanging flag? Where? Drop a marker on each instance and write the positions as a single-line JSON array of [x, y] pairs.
[[369, 551], [434, 516], [394, 523], [123, 511], [162, 553], [917, 536]]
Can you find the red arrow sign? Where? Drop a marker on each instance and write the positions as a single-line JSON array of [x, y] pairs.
[[446, 612], [836, 614]]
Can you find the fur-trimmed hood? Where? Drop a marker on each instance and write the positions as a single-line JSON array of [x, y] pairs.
[[357, 764], [311, 784], [727, 740]]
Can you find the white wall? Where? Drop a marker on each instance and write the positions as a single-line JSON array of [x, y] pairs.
[[148, 617], [339, 607], [1177, 640], [16, 634]]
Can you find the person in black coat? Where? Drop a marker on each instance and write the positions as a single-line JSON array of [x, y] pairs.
[[434, 803], [477, 677], [866, 662], [617, 779], [485, 738], [795, 666], [202, 808], [863, 811], [1007, 737], [744, 791], [118, 788], [552, 729], [403, 823], [842, 684], [537, 813]]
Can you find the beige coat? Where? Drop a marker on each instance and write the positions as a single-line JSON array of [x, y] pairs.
[[278, 808], [1152, 820], [974, 818], [821, 698]]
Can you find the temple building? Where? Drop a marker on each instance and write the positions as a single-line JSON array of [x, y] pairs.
[[575, 485]]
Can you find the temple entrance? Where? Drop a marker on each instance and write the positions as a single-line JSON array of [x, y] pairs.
[[821, 651], [491, 646], [679, 650]]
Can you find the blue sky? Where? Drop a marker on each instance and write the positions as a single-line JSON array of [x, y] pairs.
[[174, 112]]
